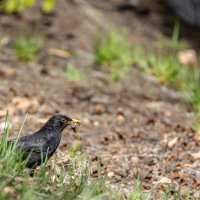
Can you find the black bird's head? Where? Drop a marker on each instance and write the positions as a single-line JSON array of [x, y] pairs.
[[60, 122]]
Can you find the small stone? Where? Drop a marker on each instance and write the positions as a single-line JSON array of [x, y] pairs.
[[99, 109], [111, 174], [96, 123], [134, 160], [120, 117], [187, 57], [86, 121]]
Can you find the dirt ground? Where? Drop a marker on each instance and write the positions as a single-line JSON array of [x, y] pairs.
[[136, 127]]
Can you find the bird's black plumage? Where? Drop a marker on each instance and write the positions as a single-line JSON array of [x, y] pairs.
[[42, 144]]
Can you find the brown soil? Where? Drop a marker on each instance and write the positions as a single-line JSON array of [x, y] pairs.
[[136, 127]]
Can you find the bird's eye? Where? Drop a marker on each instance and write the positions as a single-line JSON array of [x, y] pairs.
[[63, 120]]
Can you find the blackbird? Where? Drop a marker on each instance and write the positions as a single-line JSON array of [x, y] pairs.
[[42, 144]]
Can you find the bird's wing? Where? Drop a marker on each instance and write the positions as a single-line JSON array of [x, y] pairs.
[[30, 144], [34, 149], [36, 145]]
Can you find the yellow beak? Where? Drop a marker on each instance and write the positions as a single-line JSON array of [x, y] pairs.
[[78, 122]]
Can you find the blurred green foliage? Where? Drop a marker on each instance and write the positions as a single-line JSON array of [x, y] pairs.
[[3, 41], [115, 55], [11, 6], [163, 63], [137, 193], [73, 73], [48, 5], [28, 46], [113, 52]]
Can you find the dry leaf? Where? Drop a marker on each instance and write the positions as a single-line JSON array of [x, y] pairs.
[[164, 180], [58, 52], [196, 138], [172, 142], [196, 155], [8, 72], [26, 104], [9, 190]]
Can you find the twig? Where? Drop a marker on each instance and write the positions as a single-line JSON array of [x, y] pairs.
[[22, 126]]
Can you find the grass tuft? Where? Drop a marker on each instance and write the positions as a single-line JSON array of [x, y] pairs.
[[162, 62], [113, 52], [27, 47], [73, 73], [137, 193]]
